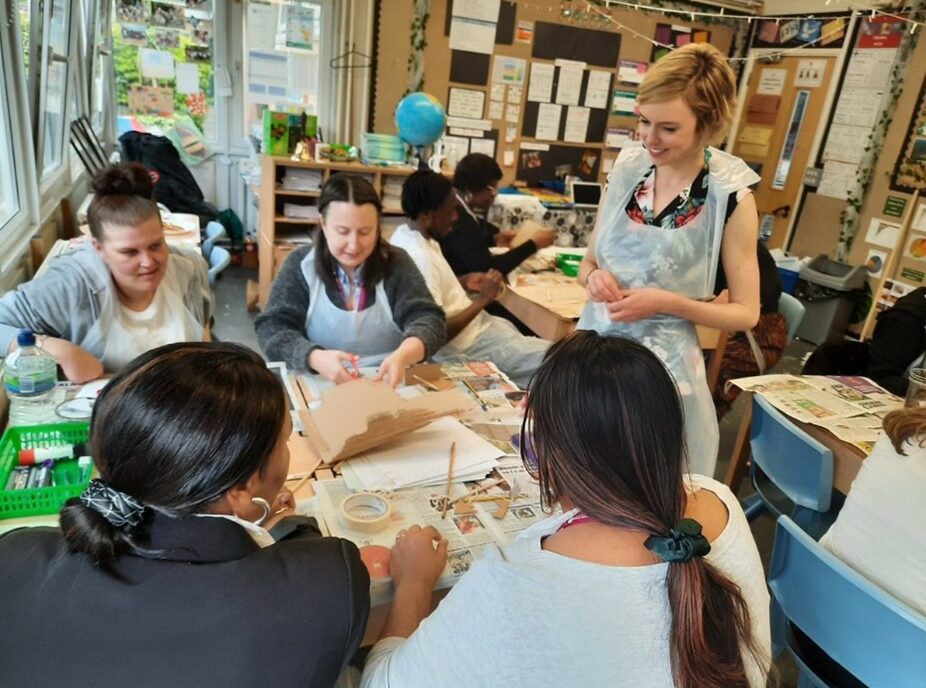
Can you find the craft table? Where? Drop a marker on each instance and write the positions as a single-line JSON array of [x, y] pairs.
[[847, 459], [550, 305]]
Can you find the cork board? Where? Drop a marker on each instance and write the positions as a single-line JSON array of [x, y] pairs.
[[391, 77]]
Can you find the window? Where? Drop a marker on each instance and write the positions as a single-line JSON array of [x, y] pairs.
[[53, 103], [9, 201], [284, 55], [163, 59]]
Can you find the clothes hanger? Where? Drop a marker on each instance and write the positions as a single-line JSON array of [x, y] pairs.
[[364, 61]]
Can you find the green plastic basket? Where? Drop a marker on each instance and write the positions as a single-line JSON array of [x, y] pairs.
[[40, 500]]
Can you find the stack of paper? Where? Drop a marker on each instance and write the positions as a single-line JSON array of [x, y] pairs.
[[422, 458], [392, 192], [301, 179], [299, 211]]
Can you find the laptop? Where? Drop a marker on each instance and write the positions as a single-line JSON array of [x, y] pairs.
[[586, 194]]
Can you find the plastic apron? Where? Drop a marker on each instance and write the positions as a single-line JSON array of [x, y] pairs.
[[681, 260], [184, 325], [371, 333]]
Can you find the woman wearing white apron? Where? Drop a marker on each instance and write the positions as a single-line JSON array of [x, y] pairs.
[[663, 226], [119, 295], [350, 300]]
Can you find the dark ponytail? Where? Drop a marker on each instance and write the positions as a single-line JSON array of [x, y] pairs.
[[171, 433], [606, 426], [85, 530]]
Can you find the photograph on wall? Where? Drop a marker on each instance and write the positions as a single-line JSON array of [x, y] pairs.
[[167, 16], [134, 34], [671, 36], [166, 39], [131, 11], [810, 33], [199, 28], [910, 168], [198, 53]]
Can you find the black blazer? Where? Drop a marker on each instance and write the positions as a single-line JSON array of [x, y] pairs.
[[467, 245], [215, 611]]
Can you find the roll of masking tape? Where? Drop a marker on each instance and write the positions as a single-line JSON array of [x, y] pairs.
[[365, 512]]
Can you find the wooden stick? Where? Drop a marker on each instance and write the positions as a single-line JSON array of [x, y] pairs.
[[477, 490], [453, 460], [301, 482], [892, 262], [427, 384]]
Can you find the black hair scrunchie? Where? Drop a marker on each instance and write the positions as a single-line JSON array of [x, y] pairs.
[[683, 542], [116, 507]]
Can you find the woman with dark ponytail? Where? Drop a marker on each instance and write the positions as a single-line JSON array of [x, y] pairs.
[[164, 572], [120, 294], [649, 576]]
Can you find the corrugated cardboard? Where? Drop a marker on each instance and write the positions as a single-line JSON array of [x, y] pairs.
[[361, 415]]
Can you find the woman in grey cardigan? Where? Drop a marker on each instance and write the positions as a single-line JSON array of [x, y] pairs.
[[117, 296], [350, 299]]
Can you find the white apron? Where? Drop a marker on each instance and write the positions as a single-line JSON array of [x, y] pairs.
[[683, 261], [120, 344], [371, 333]]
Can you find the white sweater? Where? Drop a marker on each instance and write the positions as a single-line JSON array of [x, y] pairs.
[[879, 531], [536, 618]]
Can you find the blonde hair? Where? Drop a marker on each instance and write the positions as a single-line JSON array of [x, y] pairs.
[[700, 75], [906, 424]]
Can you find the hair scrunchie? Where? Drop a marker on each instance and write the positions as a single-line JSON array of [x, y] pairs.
[[683, 542], [116, 507]]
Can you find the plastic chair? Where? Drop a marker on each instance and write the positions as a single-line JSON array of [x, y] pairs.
[[214, 232], [874, 637], [793, 311], [786, 460], [219, 259]]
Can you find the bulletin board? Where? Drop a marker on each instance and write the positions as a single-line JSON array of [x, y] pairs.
[[910, 170], [580, 64]]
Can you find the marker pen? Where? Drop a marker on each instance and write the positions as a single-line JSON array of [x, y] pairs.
[[13, 482], [86, 466], [29, 457]]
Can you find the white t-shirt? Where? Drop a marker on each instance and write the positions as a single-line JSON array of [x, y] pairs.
[[537, 618], [131, 333], [879, 531], [446, 289]]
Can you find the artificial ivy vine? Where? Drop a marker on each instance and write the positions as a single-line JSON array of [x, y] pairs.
[[856, 195], [419, 43]]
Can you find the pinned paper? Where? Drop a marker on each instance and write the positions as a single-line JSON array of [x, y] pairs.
[[187, 78], [151, 100], [874, 264], [156, 64], [882, 233]]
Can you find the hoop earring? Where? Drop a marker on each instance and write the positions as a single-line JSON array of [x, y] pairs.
[[265, 505]]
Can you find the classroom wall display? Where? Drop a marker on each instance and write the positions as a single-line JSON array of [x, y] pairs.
[[676, 36], [910, 170], [548, 89], [818, 32]]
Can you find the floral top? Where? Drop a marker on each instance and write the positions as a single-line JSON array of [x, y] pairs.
[[681, 210]]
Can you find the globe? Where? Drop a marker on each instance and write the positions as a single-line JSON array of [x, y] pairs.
[[420, 119]]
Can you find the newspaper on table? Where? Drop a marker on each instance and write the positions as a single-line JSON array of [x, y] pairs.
[[850, 407], [470, 535]]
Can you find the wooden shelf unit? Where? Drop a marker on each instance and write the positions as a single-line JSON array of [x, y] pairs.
[[278, 234]]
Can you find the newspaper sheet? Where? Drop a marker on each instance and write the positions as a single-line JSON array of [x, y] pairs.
[[851, 408]]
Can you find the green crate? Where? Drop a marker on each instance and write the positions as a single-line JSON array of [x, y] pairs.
[[40, 500]]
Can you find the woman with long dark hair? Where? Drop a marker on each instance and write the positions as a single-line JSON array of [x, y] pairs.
[[163, 572], [648, 577], [350, 299]]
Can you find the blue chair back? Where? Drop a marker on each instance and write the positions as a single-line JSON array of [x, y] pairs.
[[795, 462], [218, 261], [877, 638], [214, 232], [793, 312]]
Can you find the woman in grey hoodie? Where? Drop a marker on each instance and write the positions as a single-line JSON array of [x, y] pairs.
[[118, 295]]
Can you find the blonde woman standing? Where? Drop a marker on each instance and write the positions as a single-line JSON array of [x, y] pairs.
[[674, 210]]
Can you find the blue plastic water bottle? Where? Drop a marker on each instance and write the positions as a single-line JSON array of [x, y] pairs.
[[30, 377]]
